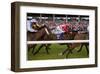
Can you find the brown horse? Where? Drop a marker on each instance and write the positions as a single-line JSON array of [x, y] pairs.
[[71, 46], [36, 36]]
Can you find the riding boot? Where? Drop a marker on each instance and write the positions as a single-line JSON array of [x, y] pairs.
[[58, 36], [61, 36]]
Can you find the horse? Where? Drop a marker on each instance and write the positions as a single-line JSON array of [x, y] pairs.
[[71, 46], [42, 34]]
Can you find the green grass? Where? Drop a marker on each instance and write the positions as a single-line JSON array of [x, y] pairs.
[[54, 51]]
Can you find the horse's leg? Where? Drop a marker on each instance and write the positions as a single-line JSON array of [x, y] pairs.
[[87, 49], [33, 48], [29, 47], [70, 51], [38, 49], [47, 47], [85, 44], [71, 48], [65, 50], [80, 48]]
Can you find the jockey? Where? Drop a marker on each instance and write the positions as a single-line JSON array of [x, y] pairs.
[[83, 27], [29, 25], [61, 29], [35, 25], [75, 28], [32, 25]]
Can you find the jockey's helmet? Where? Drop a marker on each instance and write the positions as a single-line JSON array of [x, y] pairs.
[[34, 20], [29, 18]]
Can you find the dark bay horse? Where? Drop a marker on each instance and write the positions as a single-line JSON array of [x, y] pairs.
[[42, 34], [71, 46]]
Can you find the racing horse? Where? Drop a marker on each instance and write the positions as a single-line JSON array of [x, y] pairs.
[[42, 34], [71, 46]]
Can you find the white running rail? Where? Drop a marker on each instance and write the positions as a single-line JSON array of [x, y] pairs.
[[58, 41]]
